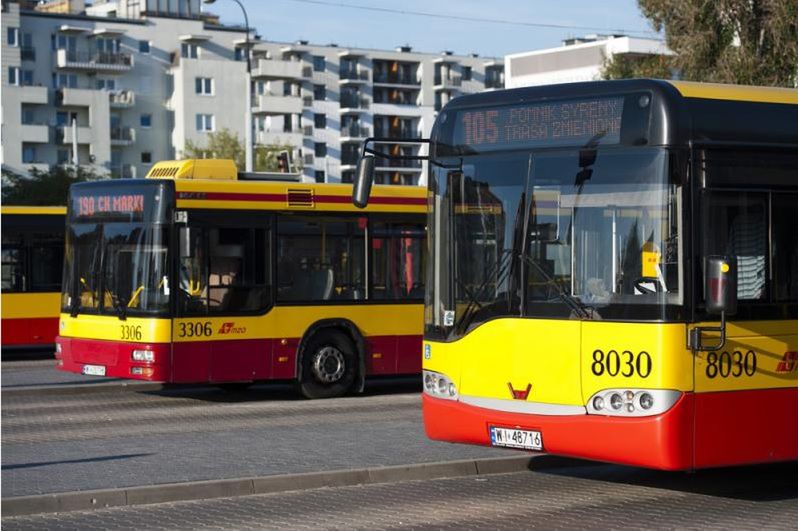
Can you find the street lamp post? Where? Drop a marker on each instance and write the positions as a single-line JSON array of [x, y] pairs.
[[248, 100]]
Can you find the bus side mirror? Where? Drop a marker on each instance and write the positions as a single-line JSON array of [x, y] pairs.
[[720, 285], [364, 178]]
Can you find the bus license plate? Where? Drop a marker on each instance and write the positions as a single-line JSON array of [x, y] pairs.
[[94, 370], [514, 438]]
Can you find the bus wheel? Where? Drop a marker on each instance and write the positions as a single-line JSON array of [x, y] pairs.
[[328, 365]]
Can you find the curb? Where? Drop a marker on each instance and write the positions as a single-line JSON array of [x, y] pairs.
[[224, 488]]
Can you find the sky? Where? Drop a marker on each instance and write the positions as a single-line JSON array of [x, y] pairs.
[[491, 28]]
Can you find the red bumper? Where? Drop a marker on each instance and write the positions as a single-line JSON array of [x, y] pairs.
[[663, 441], [116, 357]]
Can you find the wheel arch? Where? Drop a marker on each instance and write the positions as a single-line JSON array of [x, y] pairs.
[[349, 329]]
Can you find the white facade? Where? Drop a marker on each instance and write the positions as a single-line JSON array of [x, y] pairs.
[[141, 78], [577, 60]]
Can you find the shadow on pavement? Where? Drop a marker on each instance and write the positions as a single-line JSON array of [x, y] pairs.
[[68, 461], [768, 482]]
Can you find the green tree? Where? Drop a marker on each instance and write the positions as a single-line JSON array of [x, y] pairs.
[[223, 144], [750, 42], [44, 188], [265, 157]]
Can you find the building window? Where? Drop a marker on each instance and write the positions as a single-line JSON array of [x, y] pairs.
[[27, 116], [62, 156], [13, 37], [13, 75], [64, 42], [145, 120], [106, 84], [203, 85], [64, 118], [26, 78], [28, 154], [466, 73], [65, 81], [320, 149], [205, 122], [146, 157], [320, 121], [240, 54], [144, 46], [319, 92], [107, 45], [189, 50], [319, 174], [319, 63]]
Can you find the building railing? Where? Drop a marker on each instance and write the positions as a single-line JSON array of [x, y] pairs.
[[122, 98], [494, 83], [98, 57], [307, 101], [350, 159], [355, 131], [396, 79], [387, 163], [448, 81], [355, 75], [123, 134], [123, 171], [397, 133], [354, 102], [307, 71], [308, 159]]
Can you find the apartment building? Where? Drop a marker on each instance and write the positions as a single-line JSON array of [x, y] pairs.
[[578, 59], [130, 82]]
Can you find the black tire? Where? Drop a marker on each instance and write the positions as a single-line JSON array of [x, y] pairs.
[[329, 365], [234, 387]]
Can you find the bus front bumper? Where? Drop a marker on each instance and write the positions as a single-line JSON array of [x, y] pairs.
[[662, 441], [114, 359]]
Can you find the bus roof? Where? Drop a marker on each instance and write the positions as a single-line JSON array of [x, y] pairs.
[[33, 210], [681, 112]]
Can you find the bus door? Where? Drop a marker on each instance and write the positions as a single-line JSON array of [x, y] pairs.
[[748, 212], [224, 266]]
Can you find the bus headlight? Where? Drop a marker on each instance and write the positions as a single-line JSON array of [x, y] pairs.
[[632, 402], [439, 385], [143, 355]]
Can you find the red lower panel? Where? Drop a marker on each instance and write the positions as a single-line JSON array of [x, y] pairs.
[[744, 427], [116, 357], [408, 354], [663, 441], [29, 332], [380, 355]]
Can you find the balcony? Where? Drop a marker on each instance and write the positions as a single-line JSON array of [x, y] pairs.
[[307, 101], [277, 69], [308, 159], [36, 95], [385, 78], [354, 76], [351, 132], [358, 103], [447, 82], [307, 130], [123, 171], [274, 105], [63, 134], [398, 133], [122, 136], [73, 97], [122, 99], [350, 159], [307, 71], [277, 138], [36, 133], [494, 83], [106, 62]]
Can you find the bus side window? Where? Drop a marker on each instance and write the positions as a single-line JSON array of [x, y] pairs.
[[397, 261], [785, 247], [193, 272], [47, 257]]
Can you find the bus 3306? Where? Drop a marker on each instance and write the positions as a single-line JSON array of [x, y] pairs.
[[613, 272], [33, 250], [194, 275]]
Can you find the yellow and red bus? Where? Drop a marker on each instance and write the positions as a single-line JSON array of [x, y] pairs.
[[196, 275], [33, 250], [585, 241]]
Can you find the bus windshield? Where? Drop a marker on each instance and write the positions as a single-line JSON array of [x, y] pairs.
[[116, 260], [579, 233]]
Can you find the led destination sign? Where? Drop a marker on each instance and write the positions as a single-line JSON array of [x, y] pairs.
[[105, 201], [573, 122]]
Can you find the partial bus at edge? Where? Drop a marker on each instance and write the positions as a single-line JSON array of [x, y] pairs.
[[613, 272], [194, 275]]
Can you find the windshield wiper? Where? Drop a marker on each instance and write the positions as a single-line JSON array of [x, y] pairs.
[[121, 309], [578, 307], [501, 267]]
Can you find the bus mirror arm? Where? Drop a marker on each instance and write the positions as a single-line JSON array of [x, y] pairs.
[[720, 295], [696, 342]]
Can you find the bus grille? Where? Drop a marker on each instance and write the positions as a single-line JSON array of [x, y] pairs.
[[300, 198]]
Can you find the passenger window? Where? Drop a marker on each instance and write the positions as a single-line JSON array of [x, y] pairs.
[[47, 257], [736, 225], [13, 278], [785, 247], [397, 258], [320, 259]]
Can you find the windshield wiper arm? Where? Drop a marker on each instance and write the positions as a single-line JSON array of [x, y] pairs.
[[121, 309], [577, 306], [502, 268]]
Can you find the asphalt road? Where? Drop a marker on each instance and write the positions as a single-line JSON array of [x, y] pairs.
[[594, 496], [62, 442]]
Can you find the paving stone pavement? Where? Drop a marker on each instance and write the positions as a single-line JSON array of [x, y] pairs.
[[24, 373], [69, 442], [583, 497]]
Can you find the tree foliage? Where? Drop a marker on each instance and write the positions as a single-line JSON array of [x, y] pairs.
[[225, 144], [749, 42], [43, 188]]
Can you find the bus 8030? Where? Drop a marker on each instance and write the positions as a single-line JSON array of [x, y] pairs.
[[194, 275], [613, 272]]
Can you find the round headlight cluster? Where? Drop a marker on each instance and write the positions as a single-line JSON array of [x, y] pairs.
[[622, 401], [438, 385]]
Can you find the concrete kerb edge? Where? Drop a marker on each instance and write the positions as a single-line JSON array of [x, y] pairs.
[[225, 488], [49, 390]]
